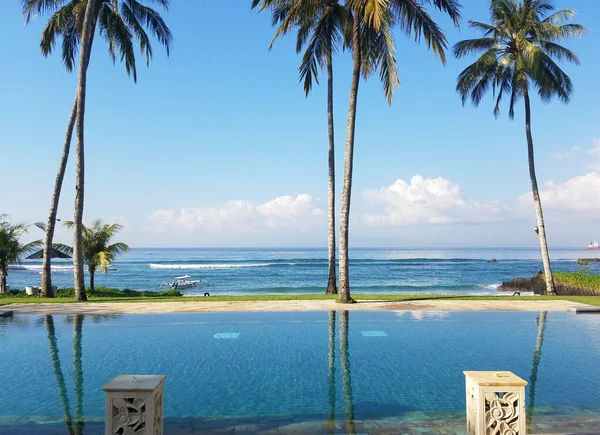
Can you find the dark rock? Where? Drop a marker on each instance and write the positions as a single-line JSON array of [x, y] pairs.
[[535, 285]]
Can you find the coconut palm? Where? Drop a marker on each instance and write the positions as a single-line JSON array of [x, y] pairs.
[[96, 250], [122, 23], [519, 48], [320, 26], [11, 248], [372, 20]]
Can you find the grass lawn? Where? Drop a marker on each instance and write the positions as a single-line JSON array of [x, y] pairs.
[[112, 295]]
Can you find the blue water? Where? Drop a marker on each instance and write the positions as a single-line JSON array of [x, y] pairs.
[[397, 363], [247, 271]]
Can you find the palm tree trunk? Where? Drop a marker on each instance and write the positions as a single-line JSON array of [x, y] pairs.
[[3, 284], [331, 373], [346, 371], [60, 379], [78, 372], [537, 355], [92, 280], [331, 281], [537, 200], [86, 48], [344, 290], [47, 291]]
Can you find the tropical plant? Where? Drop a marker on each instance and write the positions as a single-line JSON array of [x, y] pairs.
[[371, 29], [11, 248], [519, 48], [96, 250], [121, 23], [320, 26]]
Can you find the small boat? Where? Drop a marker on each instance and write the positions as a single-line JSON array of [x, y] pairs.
[[594, 245], [182, 282]]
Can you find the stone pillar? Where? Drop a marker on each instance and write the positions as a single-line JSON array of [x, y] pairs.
[[495, 403], [134, 405]]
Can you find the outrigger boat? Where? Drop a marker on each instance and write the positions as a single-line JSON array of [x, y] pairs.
[[182, 282]]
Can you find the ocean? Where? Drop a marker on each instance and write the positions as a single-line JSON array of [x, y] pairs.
[[280, 271]]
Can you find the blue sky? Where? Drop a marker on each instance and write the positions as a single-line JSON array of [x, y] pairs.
[[218, 146]]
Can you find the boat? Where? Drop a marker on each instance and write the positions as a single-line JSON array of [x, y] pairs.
[[183, 282], [594, 245]]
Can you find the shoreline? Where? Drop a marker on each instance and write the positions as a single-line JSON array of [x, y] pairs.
[[165, 307]]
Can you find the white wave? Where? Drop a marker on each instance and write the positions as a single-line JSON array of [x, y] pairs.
[[208, 266], [492, 286], [39, 267]]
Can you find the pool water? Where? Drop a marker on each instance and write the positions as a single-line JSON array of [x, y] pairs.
[[302, 366]]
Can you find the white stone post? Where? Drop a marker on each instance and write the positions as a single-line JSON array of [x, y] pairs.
[[495, 403], [134, 405]]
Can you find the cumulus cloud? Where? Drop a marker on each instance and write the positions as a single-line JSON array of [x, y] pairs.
[[581, 194], [429, 200], [299, 212], [563, 154]]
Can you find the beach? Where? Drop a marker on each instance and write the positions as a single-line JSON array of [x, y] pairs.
[[291, 305]]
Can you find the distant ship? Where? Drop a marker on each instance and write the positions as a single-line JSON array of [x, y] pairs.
[[594, 245]]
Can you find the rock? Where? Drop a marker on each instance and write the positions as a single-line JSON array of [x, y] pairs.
[[535, 285]]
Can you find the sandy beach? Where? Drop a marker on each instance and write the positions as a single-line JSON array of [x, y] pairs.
[[253, 306]]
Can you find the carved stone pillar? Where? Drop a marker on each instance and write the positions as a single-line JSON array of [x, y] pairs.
[[134, 405], [495, 403]]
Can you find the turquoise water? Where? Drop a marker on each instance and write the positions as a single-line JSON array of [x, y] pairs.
[[251, 271], [377, 365]]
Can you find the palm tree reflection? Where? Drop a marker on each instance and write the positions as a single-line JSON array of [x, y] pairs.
[[346, 371], [537, 355], [78, 373], [60, 379], [331, 374]]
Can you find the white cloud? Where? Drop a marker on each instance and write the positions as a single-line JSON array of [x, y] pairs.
[[595, 153], [241, 216], [429, 200], [581, 194], [567, 153]]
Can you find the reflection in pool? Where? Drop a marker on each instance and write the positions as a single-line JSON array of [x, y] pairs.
[[238, 368]]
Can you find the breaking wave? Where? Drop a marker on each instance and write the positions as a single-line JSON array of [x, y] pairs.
[[208, 266]]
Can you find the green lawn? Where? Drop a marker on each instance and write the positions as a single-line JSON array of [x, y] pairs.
[[112, 295]]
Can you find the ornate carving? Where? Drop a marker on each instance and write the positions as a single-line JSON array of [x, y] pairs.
[[158, 405], [129, 416], [502, 414]]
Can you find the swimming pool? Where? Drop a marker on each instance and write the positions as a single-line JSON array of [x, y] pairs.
[[310, 366]]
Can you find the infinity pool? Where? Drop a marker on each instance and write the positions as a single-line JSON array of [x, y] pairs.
[[317, 366]]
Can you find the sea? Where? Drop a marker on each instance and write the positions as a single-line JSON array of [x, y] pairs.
[[304, 270]]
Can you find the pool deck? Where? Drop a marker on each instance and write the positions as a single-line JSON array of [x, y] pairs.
[[301, 305]]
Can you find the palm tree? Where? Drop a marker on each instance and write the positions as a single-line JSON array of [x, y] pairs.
[[120, 23], [320, 26], [11, 248], [372, 21], [519, 49], [96, 250]]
